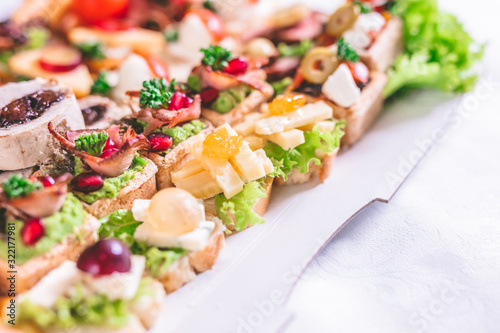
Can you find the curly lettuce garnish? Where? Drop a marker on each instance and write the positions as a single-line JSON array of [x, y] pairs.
[[439, 53], [17, 186], [92, 143], [216, 57]]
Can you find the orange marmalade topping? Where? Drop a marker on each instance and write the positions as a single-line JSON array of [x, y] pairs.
[[286, 103], [221, 145]]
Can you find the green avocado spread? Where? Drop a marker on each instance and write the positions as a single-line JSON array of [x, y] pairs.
[[112, 186], [180, 134], [229, 99], [57, 227]]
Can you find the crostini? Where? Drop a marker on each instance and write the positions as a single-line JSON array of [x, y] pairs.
[[229, 86], [109, 174], [42, 225], [104, 291], [173, 234], [234, 180]]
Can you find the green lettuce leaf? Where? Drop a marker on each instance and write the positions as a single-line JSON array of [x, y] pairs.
[[238, 210], [302, 156], [439, 53], [122, 225]]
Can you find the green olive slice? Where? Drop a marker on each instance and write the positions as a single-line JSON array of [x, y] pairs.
[[343, 19], [318, 64]]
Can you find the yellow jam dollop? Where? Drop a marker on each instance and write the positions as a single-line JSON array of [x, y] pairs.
[[221, 145], [286, 103]]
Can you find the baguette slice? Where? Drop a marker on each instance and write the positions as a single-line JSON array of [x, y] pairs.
[[260, 206], [360, 116], [251, 103], [319, 172], [143, 186], [185, 269], [29, 273], [173, 160], [386, 48]]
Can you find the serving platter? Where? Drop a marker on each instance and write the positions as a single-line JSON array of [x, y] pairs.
[[248, 286]]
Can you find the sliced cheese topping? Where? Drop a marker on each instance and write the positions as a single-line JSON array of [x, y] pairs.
[[341, 88]]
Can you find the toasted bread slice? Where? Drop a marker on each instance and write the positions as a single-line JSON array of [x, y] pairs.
[[361, 115], [143, 186], [251, 103], [184, 270], [320, 172], [172, 161], [260, 206], [29, 273], [386, 48]]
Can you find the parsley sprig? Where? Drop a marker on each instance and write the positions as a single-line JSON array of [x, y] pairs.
[[92, 143], [91, 50], [216, 57], [346, 51], [101, 85], [364, 7], [17, 186], [157, 93]]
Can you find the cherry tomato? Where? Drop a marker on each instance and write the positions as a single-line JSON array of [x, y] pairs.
[[214, 23], [157, 66], [114, 24], [359, 72], [91, 11]]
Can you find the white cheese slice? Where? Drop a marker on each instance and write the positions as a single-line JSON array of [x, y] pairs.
[[192, 241], [190, 168], [140, 209], [341, 88], [266, 162], [359, 36], [255, 142], [323, 126], [225, 175], [288, 139], [247, 127], [310, 113], [247, 164], [200, 185], [53, 285], [117, 285]]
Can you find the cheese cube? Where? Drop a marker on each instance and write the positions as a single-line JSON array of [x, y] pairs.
[[341, 88], [323, 126], [200, 185], [288, 139], [248, 164], [255, 142], [266, 162]]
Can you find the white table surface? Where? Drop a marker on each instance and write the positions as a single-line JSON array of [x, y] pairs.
[[429, 261]]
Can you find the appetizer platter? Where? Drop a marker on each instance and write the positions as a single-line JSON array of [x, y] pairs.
[[153, 153]]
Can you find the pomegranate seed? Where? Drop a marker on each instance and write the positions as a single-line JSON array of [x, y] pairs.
[[359, 72], [87, 182], [179, 101], [208, 95], [110, 144], [105, 257], [108, 152], [47, 181], [236, 66], [160, 142], [32, 231]]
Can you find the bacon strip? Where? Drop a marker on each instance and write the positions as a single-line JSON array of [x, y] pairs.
[[41, 203], [113, 165], [170, 118], [223, 81]]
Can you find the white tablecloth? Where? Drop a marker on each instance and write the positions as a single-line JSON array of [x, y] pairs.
[[429, 261]]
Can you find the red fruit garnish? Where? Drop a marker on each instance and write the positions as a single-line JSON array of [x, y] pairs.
[[110, 144], [160, 142], [236, 66], [60, 59], [47, 181], [109, 152], [113, 25], [208, 95], [179, 101], [359, 72], [32, 231], [105, 257], [87, 182]]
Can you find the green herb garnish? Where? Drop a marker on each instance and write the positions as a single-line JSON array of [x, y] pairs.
[[346, 51], [101, 85], [210, 6], [92, 143], [157, 93], [279, 87], [364, 7], [216, 57], [17, 186], [91, 50], [297, 50], [172, 35]]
